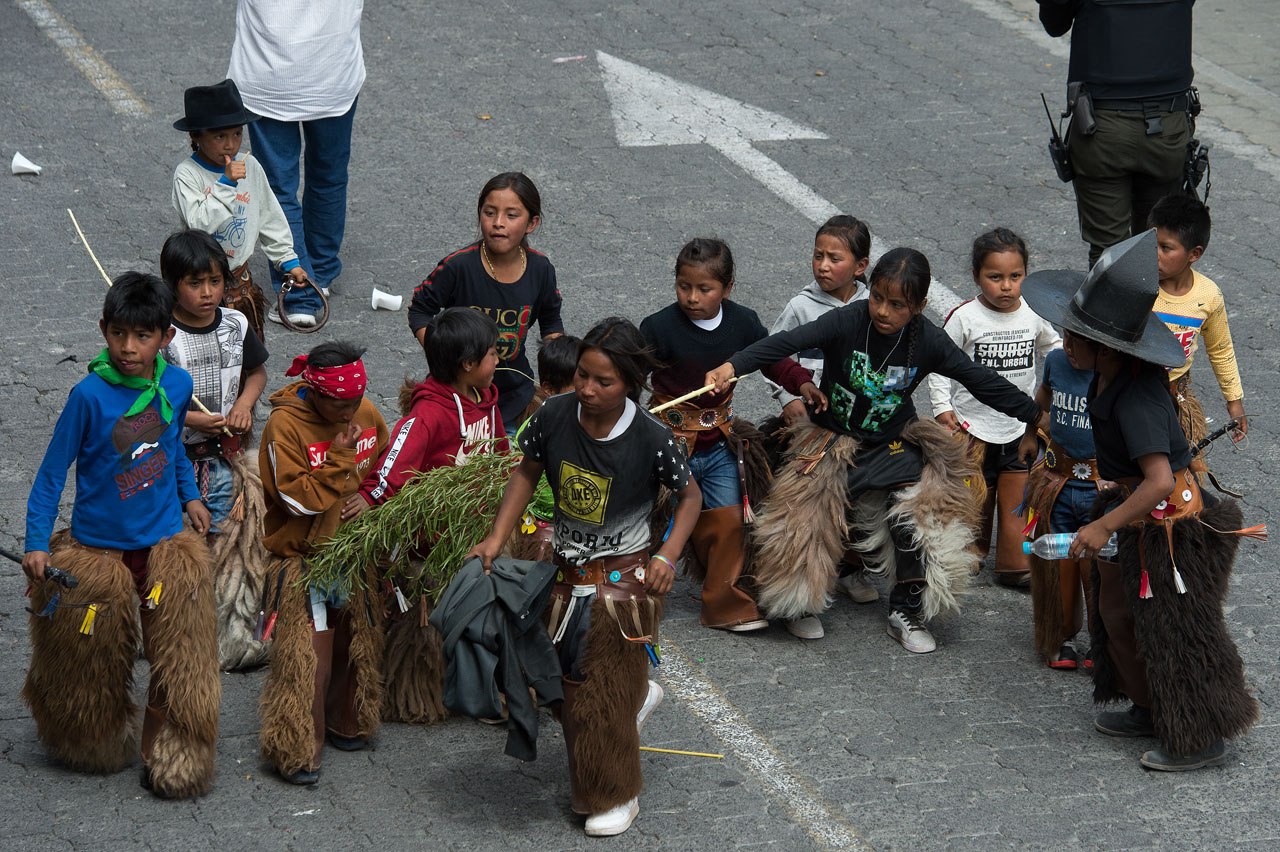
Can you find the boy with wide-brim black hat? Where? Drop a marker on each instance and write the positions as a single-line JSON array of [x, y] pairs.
[[225, 193], [1159, 635]]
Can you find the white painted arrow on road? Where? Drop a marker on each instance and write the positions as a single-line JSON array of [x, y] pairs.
[[653, 109]]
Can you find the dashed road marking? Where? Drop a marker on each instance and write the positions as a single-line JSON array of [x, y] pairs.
[[799, 798], [82, 55]]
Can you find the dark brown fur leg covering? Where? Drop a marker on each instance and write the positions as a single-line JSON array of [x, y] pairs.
[[413, 663], [184, 637], [607, 747], [366, 654], [80, 687], [288, 730]]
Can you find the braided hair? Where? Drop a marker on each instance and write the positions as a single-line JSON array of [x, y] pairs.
[[909, 269]]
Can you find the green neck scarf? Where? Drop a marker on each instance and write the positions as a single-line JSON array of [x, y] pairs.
[[150, 387]]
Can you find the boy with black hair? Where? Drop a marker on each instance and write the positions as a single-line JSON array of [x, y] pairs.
[[1192, 306], [122, 428], [450, 415], [326, 657], [226, 360], [1160, 639]]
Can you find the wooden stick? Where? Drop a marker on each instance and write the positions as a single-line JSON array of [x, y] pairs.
[[690, 395], [106, 277], [676, 751], [200, 405]]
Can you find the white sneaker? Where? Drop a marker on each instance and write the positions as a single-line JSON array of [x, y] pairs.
[[807, 627], [299, 320], [855, 585], [613, 821], [747, 626], [651, 700], [911, 633]]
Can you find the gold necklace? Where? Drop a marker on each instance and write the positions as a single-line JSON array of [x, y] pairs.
[[484, 255]]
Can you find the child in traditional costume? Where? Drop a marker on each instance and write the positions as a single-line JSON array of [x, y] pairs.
[[450, 416], [868, 445], [326, 656], [841, 257], [557, 362], [221, 191], [226, 362], [1193, 308], [1061, 488], [605, 458], [1160, 639], [999, 331], [689, 338], [122, 427]]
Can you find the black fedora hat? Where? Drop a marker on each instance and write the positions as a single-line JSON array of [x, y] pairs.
[[1112, 304], [209, 107]]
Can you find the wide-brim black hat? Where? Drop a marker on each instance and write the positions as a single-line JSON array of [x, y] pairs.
[[1112, 304], [209, 107]]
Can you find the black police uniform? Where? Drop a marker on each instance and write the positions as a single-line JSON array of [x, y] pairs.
[[1134, 57]]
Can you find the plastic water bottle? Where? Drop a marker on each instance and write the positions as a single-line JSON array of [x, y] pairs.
[[1056, 545]]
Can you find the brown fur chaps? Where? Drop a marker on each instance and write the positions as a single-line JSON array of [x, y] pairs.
[[288, 732], [414, 665]]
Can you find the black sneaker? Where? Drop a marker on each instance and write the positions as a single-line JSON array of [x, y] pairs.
[[1134, 722], [1162, 761]]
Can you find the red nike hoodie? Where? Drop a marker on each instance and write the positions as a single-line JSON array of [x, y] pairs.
[[442, 428]]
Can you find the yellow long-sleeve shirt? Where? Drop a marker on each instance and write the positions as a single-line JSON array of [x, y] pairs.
[[1202, 312]]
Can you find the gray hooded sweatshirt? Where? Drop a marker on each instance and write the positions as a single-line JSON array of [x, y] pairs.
[[806, 306]]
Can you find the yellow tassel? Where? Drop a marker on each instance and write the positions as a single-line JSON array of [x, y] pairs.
[[153, 596], [86, 626]]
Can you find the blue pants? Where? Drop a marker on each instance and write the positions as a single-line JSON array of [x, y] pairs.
[[1072, 509], [715, 469], [320, 220]]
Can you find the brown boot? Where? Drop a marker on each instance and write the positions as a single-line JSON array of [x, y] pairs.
[[1012, 567], [718, 540], [569, 723]]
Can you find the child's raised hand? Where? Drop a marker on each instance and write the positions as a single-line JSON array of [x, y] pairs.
[[720, 377], [794, 411], [353, 508], [347, 438], [233, 169], [814, 398], [210, 424], [199, 515], [949, 419], [239, 420]]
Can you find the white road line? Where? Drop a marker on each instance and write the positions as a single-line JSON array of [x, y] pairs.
[[103, 77], [804, 803], [1209, 128]]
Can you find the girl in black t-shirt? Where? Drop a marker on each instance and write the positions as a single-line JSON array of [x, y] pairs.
[[692, 335], [604, 458], [500, 276], [869, 443]]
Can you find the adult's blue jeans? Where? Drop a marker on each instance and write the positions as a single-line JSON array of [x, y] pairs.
[[320, 220]]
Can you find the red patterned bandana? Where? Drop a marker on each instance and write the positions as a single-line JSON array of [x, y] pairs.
[[344, 382]]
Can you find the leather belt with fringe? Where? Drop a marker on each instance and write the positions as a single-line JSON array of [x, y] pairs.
[[217, 446], [617, 584], [1184, 503]]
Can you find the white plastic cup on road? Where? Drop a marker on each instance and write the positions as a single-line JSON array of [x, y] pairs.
[[22, 166], [385, 301]]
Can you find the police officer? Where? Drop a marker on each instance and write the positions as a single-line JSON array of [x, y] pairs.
[[1130, 62]]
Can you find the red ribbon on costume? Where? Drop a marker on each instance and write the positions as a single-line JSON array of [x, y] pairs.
[[346, 381]]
